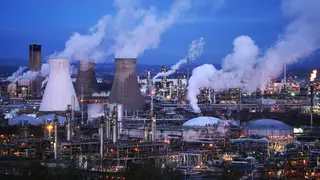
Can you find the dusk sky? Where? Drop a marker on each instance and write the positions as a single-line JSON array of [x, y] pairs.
[[52, 22]]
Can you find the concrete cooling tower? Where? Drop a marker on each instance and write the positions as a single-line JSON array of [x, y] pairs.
[[125, 89], [86, 80], [59, 90]]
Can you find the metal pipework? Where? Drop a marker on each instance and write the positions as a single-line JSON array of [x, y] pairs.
[[107, 121], [145, 131], [55, 145], [119, 119], [153, 128], [101, 133], [73, 107]]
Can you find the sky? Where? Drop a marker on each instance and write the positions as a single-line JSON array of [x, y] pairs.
[[52, 22]]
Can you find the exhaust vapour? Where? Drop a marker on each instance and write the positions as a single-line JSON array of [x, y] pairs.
[[131, 42], [301, 39], [16, 75], [195, 50], [86, 46], [128, 33]]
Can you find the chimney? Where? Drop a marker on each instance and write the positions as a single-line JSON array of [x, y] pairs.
[[35, 65], [86, 79], [101, 133], [114, 125], [59, 90], [125, 89], [119, 119]]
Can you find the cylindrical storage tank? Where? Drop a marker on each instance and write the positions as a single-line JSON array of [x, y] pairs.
[[59, 90], [267, 128]]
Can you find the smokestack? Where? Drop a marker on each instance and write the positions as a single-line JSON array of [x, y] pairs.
[[107, 114], [164, 77], [101, 133], [114, 126], [69, 123], [153, 128], [55, 145], [119, 119], [125, 89], [86, 79], [35, 66], [59, 90]]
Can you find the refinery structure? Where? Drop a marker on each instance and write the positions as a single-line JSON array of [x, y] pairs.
[[252, 118], [145, 118]]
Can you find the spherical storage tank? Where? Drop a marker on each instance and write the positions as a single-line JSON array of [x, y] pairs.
[[202, 121], [268, 127]]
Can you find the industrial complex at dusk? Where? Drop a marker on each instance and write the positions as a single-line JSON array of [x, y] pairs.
[[255, 117]]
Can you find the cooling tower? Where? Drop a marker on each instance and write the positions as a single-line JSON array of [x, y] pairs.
[[86, 79], [125, 89], [59, 90]]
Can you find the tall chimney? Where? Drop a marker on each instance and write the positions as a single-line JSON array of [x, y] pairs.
[[101, 133], [55, 144], [59, 90], [114, 126], [69, 133], [35, 65], [119, 119], [125, 89], [86, 79]]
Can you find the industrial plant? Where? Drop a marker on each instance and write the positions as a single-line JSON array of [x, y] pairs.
[[141, 119], [92, 110]]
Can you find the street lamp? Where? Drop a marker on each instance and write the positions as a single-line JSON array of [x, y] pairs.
[[49, 127], [312, 78]]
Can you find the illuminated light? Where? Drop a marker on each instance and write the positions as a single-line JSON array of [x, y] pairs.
[[210, 145], [313, 75], [49, 127]]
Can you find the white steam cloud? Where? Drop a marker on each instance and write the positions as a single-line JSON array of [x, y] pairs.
[[225, 125], [301, 39], [16, 75], [86, 46], [195, 50], [127, 33], [133, 41]]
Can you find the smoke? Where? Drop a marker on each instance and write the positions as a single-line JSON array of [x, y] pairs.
[[12, 113], [30, 75], [300, 39], [16, 75], [86, 46], [132, 42], [127, 33], [224, 126], [195, 50], [45, 69]]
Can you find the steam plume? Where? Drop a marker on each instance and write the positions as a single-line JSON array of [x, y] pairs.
[[195, 50], [16, 75], [300, 39], [85, 46], [146, 35], [132, 30]]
